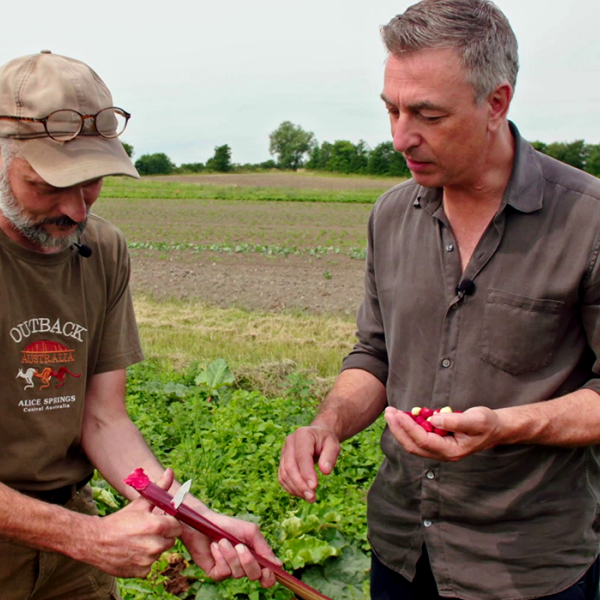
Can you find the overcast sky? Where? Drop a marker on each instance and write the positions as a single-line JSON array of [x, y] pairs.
[[197, 74]]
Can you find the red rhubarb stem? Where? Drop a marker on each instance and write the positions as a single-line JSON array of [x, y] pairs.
[[162, 499]]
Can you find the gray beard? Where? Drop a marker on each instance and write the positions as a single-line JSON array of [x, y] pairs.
[[35, 231]]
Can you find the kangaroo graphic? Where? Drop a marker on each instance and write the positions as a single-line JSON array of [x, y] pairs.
[[27, 376], [45, 376], [61, 374]]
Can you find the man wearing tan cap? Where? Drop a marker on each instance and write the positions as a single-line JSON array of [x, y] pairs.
[[68, 332]]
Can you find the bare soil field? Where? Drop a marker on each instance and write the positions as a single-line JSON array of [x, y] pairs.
[[277, 179], [310, 269], [253, 282]]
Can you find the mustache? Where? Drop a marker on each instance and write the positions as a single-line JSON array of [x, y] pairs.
[[62, 221]]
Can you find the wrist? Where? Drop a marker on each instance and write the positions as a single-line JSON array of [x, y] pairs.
[[78, 533], [329, 422], [516, 425]]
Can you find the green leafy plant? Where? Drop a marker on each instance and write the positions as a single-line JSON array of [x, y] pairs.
[[216, 376], [231, 450]]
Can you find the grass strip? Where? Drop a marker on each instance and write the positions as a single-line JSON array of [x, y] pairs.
[[178, 333], [121, 187]]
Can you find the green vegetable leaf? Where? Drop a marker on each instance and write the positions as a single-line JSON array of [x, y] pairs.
[[308, 550], [216, 375], [209, 592], [350, 567], [341, 578], [105, 496]]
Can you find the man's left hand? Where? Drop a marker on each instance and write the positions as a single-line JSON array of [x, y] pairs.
[[223, 560], [474, 430]]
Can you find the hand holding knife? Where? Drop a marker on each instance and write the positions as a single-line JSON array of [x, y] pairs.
[[163, 500]]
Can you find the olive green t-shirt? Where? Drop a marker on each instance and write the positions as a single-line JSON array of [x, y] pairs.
[[63, 318]]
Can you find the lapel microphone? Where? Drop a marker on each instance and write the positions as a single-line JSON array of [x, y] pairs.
[[465, 288], [83, 250]]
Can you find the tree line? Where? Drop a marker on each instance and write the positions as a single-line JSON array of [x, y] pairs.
[[292, 148]]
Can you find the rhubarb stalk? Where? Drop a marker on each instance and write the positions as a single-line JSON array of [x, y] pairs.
[[163, 500]]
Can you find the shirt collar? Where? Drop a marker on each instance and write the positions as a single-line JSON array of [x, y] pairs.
[[525, 188]]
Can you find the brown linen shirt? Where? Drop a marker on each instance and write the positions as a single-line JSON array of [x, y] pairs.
[[514, 521]]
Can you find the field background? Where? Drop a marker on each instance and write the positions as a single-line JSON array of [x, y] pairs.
[[246, 288], [250, 280]]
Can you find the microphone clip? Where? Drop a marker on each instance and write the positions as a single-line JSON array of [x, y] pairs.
[[465, 288], [83, 250]]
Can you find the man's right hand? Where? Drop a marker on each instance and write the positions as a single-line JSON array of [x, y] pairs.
[[302, 449], [126, 543]]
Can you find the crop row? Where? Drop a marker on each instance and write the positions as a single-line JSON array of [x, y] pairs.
[[120, 188], [244, 248]]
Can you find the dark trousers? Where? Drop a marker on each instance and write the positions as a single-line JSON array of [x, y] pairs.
[[386, 584]]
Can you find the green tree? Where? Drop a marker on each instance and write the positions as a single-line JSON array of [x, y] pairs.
[[592, 164], [290, 143], [540, 147], [128, 148], [191, 167], [221, 161], [267, 164], [347, 157], [319, 157], [384, 160], [572, 153], [154, 164]]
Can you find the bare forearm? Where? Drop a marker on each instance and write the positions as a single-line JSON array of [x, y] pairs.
[[572, 420], [116, 448], [111, 440], [356, 400], [41, 525]]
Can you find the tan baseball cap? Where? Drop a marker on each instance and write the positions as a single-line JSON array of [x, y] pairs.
[[37, 85]]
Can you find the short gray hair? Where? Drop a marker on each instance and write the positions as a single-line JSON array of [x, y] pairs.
[[476, 29]]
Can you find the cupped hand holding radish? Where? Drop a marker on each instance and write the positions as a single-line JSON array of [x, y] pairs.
[[474, 430]]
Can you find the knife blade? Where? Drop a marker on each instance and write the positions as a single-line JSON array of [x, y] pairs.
[[179, 497]]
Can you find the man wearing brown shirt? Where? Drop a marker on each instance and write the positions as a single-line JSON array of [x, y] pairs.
[[482, 292], [68, 332]]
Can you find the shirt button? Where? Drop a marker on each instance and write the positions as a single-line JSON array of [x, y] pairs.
[[430, 475], [446, 363], [427, 523], [449, 247]]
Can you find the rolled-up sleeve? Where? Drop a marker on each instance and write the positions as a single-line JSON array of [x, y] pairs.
[[370, 353]]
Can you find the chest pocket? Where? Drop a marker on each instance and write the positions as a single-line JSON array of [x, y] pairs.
[[519, 334]]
